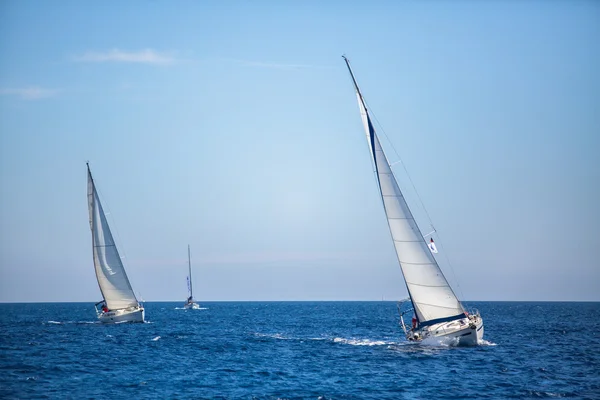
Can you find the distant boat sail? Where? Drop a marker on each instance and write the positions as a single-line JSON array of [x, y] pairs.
[[119, 303], [437, 310], [190, 303]]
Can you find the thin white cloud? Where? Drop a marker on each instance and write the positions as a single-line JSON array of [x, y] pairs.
[[259, 64], [262, 258], [30, 92], [146, 56]]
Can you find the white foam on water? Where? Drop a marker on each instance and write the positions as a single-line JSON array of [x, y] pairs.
[[450, 342], [156, 338], [273, 336], [72, 322], [362, 342], [352, 341]]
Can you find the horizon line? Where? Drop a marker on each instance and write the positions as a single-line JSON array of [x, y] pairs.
[[302, 301]]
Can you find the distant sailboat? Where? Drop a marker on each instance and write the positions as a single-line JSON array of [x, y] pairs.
[[437, 311], [119, 303], [190, 303]]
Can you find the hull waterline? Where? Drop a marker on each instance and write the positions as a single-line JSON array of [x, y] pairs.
[[191, 306]]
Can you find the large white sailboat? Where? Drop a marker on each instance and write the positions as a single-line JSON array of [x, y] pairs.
[[190, 303], [119, 303], [437, 312]]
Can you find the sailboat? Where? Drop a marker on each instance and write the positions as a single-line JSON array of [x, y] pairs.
[[119, 303], [190, 303], [437, 312]]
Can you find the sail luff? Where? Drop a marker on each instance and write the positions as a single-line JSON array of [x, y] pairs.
[[429, 291], [110, 273], [363, 112], [91, 205]]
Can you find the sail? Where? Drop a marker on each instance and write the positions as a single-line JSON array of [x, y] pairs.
[[112, 279], [190, 274], [433, 299]]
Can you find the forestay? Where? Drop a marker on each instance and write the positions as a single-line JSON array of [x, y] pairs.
[[433, 299], [112, 279]]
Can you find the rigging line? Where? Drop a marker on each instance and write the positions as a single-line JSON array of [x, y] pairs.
[[451, 267], [400, 162], [113, 228], [416, 192]]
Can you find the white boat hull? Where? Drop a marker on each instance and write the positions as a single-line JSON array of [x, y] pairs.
[[467, 331], [132, 314], [191, 306]]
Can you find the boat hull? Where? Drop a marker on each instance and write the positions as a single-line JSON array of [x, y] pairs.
[[132, 314], [191, 306], [467, 331]]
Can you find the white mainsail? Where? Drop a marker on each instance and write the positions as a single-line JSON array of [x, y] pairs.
[[433, 299], [190, 288], [112, 279]]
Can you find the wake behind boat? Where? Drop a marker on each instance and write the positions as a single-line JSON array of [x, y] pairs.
[[437, 311], [190, 303], [119, 303]]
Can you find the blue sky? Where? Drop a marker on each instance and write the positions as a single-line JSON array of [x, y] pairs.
[[233, 127]]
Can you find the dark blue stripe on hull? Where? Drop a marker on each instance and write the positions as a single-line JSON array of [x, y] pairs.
[[439, 320]]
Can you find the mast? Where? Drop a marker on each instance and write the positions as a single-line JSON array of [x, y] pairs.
[[354, 81], [369, 130], [190, 268]]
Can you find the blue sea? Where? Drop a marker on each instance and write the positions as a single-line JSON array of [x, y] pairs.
[[295, 350]]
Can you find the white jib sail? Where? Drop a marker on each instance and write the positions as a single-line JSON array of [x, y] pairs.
[[112, 279], [190, 274], [431, 295]]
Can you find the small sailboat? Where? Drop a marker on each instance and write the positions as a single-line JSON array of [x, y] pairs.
[[437, 312], [119, 303], [190, 303]]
